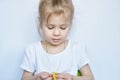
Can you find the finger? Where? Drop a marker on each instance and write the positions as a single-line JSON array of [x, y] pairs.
[[60, 79], [49, 78], [60, 76], [44, 75]]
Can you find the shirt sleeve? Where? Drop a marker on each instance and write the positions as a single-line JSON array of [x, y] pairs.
[[28, 63], [82, 58]]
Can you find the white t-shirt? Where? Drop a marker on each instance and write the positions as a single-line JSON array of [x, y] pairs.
[[37, 60]]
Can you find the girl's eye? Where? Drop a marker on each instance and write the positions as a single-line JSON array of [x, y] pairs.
[[50, 27], [63, 28]]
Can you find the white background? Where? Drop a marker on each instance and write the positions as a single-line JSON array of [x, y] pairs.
[[96, 23]]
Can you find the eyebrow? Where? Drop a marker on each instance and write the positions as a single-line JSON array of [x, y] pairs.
[[60, 25]]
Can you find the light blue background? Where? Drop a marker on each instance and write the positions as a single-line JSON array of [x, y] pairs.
[[97, 23]]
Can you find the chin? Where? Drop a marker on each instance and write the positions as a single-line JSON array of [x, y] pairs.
[[55, 43]]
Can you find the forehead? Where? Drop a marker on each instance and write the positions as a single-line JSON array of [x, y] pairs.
[[58, 19]]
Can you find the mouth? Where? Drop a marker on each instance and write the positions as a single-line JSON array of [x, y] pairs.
[[55, 40]]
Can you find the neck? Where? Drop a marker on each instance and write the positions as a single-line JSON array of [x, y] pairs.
[[54, 48]]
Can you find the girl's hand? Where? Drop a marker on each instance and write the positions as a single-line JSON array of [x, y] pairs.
[[44, 76], [64, 76]]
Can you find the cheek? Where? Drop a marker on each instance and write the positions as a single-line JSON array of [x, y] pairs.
[[47, 33], [65, 33]]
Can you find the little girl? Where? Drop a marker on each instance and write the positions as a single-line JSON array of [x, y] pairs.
[[55, 52]]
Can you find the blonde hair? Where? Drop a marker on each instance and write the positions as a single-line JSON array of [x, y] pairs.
[[49, 7]]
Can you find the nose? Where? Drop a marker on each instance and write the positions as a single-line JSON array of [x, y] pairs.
[[56, 32]]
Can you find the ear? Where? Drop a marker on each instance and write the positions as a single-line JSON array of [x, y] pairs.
[[39, 23]]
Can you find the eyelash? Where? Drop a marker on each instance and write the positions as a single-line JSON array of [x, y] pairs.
[[50, 27], [53, 28], [63, 28]]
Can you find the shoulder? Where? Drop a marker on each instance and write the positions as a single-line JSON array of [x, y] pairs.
[[31, 48], [33, 45], [78, 44], [80, 53], [79, 48]]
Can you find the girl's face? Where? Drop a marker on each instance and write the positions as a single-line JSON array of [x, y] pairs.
[[56, 29]]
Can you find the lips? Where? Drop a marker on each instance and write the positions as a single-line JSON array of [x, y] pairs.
[[56, 40]]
